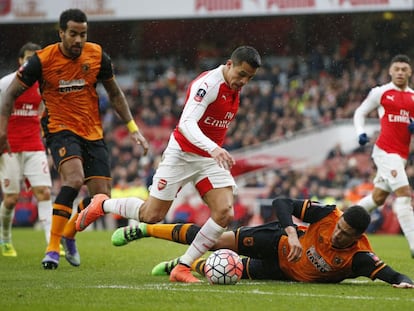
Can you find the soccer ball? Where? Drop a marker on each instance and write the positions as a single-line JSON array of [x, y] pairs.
[[223, 267]]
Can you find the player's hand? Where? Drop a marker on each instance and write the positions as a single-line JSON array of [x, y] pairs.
[[4, 143], [411, 126], [403, 285], [140, 140], [223, 158], [296, 250], [363, 139]]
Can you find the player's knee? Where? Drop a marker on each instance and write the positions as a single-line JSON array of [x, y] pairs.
[[379, 197], [75, 182], [41, 193], [10, 200], [223, 216], [229, 216]]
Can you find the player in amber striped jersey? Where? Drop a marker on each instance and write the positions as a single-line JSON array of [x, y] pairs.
[[394, 102], [68, 73], [332, 246]]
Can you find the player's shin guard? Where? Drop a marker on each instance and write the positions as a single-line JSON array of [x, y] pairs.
[[405, 214], [70, 227], [125, 207], [60, 218], [205, 239], [62, 211], [198, 266], [180, 233], [44, 211], [84, 203], [6, 220], [368, 203]]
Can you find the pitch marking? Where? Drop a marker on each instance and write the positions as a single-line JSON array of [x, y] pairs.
[[219, 289]]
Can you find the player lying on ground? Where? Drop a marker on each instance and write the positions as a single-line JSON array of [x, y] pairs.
[[333, 247]]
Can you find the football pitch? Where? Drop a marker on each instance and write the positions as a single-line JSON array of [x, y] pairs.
[[119, 278]]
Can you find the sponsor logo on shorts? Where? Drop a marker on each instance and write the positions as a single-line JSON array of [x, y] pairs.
[[162, 184]]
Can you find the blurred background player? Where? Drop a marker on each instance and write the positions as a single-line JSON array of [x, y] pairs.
[[27, 159], [394, 102], [332, 246], [69, 71], [194, 155]]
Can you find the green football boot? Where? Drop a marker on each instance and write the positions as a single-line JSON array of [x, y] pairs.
[[124, 235], [8, 250], [165, 267]]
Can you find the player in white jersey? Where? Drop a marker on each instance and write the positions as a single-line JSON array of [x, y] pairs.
[[395, 105], [26, 159], [193, 155]]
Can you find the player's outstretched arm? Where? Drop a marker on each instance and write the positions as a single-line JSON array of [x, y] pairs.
[[396, 279], [120, 104]]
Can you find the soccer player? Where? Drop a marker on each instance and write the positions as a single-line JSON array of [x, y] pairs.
[[394, 102], [194, 154], [68, 72], [330, 249], [27, 159]]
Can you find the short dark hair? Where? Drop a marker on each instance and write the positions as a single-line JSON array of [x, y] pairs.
[[75, 15], [29, 46], [401, 58], [357, 217], [246, 54]]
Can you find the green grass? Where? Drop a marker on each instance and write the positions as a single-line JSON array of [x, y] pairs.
[[112, 278]]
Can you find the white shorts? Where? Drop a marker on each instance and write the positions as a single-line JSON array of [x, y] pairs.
[[178, 168], [391, 173], [32, 165]]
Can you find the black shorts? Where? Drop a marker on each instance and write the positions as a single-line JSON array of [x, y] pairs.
[[260, 245], [94, 154]]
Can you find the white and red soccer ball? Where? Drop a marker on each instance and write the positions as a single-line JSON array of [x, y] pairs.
[[223, 267]]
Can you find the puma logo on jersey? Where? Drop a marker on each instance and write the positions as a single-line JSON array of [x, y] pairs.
[[390, 97]]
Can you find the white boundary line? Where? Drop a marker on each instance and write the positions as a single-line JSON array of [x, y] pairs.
[[182, 287]]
